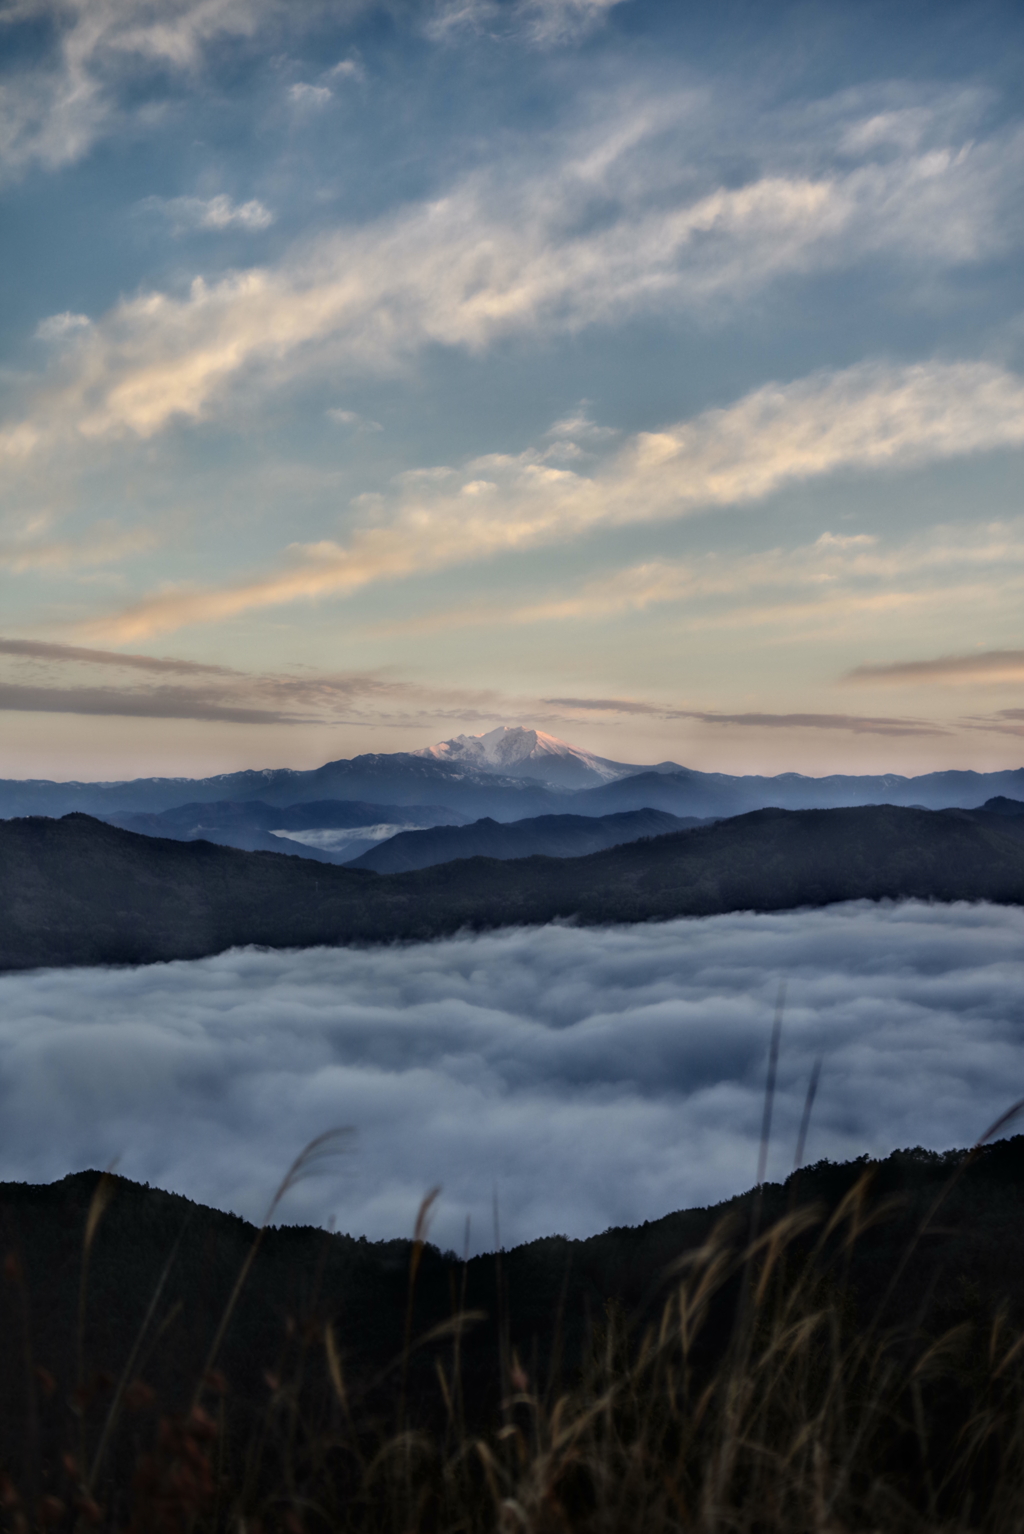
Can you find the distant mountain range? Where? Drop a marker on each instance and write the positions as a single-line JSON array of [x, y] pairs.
[[329, 831], [79, 891], [390, 838], [553, 836], [507, 775]]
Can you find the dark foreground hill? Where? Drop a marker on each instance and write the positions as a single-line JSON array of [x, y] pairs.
[[78, 891], [553, 836], [316, 1356]]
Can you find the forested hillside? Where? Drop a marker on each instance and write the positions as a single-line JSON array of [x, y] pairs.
[[78, 891]]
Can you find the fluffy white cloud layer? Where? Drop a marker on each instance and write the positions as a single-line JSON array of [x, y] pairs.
[[590, 1077]]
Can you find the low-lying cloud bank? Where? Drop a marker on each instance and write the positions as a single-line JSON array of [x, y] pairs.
[[588, 1077]]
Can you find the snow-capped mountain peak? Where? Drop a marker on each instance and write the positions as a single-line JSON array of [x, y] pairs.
[[515, 752]]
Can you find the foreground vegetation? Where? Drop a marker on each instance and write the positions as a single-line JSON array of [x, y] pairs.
[[839, 1353], [77, 891]]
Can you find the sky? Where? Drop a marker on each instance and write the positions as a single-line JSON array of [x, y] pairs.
[[644, 371], [586, 1078]]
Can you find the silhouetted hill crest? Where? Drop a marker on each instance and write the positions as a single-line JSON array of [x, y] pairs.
[[79, 891]]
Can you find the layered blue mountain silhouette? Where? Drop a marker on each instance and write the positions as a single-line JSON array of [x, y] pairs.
[[352, 808]]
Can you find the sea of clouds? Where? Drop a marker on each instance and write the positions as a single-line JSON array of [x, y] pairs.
[[586, 1077]]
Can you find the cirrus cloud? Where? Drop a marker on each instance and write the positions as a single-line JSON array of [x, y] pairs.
[[52, 112], [868, 417], [593, 235]]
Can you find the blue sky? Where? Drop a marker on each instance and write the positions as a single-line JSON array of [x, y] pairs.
[[650, 373]]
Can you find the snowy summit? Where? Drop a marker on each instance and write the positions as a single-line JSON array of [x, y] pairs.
[[515, 752]]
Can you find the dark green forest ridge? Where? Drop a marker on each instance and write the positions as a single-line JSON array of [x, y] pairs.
[[939, 1246], [973, 1260], [78, 891]]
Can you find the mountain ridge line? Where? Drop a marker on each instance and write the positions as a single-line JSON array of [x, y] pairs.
[[78, 891]]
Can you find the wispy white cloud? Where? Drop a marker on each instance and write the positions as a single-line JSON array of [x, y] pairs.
[[354, 419], [52, 113], [838, 571], [347, 69], [302, 94], [57, 326], [869, 417], [544, 22], [901, 128], [589, 238], [580, 425], [557, 21], [215, 213], [36, 547]]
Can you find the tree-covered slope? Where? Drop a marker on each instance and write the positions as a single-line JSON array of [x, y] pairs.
[[78, 891]]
